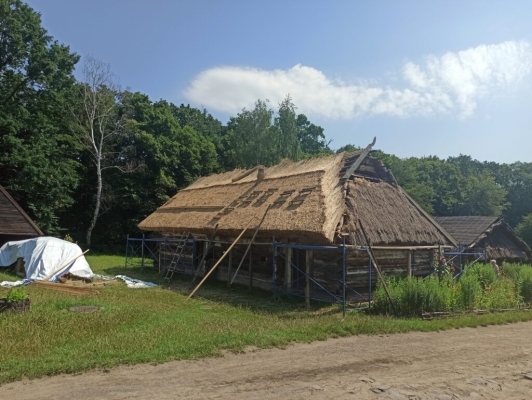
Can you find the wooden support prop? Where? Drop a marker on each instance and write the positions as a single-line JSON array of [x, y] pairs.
[[249, 245], [204, 256], [376, 265], [64, 266], [219, 261], [359, 160]]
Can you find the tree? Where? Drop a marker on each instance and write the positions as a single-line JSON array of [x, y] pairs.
[[524, 229], [312, 141], [38, 155], [253, 137], [482, 196], [100, 125], [288, 141]]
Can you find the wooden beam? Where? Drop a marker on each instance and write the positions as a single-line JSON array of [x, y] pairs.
[[206, 249], [359, 160], [229, 266], [250, 270], [409, 266], [350, 246], [288, 268], [219, 261], [309, 258]]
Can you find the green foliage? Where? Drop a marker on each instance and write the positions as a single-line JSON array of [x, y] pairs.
[[522, 277], [477, 288], [524, 229], [37, 155], [482, 273], [17, 293]]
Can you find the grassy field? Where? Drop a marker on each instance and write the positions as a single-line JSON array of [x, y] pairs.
[[158, 324]]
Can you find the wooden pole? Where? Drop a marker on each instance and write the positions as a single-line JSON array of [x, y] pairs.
[[250, 271], [249, 245], [309, 257], [206, 246], [229, 266], [409, 267], [219, 261], [288, 268], [64, 266]]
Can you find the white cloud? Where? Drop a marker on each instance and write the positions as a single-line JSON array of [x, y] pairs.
[[449, 83]]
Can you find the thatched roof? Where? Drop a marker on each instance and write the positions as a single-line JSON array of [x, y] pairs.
[[389, 216], [310, 202], [13, 220], [491, 233]]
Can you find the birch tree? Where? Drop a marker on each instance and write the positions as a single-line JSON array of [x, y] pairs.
[[100, 125]]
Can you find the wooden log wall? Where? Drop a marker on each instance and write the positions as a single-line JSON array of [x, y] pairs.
[[326, 267]]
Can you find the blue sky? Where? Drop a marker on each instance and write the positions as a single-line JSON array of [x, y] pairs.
[[425, 77]]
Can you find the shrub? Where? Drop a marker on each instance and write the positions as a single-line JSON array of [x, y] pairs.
[[17, 294], [469, 291]]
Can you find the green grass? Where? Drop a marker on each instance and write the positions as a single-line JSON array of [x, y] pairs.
[[157, 325]]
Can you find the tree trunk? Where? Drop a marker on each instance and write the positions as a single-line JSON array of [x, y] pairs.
[[98, 201]]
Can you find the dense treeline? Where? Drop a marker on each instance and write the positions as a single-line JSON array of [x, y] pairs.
[[90, 159]]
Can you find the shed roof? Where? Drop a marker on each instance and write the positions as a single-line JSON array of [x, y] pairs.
[[13, 220], [466, 229]]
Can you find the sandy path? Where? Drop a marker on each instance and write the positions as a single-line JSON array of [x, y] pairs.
[[488, 363]]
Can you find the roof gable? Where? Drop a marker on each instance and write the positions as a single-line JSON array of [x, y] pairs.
[[13, 219]]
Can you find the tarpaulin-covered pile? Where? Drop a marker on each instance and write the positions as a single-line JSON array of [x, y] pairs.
[[44, 256]]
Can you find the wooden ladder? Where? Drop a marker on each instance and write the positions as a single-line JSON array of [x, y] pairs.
[[176, 258]]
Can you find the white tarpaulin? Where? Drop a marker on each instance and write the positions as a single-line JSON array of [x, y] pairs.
[[45, 255]]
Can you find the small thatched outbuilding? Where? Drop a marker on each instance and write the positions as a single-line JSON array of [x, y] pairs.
[[15, 224], [475, 233], [323, 201]]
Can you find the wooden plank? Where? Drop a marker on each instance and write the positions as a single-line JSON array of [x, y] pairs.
[[359, 160]]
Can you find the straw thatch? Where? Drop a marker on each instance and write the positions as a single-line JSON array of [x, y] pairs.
[[388, 216], [303, 197], [492, 233], [311, 202]]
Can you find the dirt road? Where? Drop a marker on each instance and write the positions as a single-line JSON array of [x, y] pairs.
[[489, 363]]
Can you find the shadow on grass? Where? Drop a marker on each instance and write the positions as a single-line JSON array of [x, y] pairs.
[[256, 300]]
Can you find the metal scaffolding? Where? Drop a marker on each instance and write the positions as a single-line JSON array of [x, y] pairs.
[[303, 281], [162, 253], [460, 259]]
